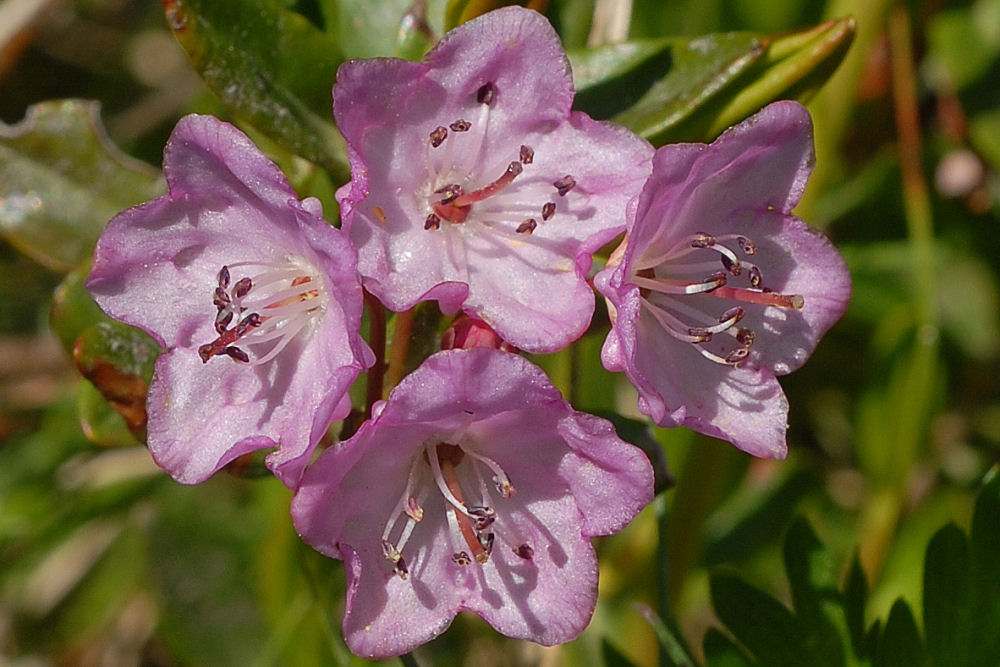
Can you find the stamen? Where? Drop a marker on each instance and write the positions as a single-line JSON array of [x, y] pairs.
[[527, 155], [461, 558], [451, 192], [286, 312], [746, 245], [524, 551], [447, 482], [486, 542], [755, 277], [504, 487], [460, 125], [527, 226], [438, 135], [548, 210], [432, 221], [671, 286], [565, 184], [242, 288], [413, 509], [486, 94]]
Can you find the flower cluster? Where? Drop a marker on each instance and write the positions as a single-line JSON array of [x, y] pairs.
[[474, 485]]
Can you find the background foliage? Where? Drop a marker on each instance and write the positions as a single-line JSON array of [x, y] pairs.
[[867, 546]]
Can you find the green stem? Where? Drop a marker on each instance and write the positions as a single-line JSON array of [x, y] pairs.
[[376, 335], [402, 330]]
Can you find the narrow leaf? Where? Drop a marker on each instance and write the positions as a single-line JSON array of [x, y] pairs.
[[947, 593], [760, 623], [900, 646], [812, 575], [985, 552]]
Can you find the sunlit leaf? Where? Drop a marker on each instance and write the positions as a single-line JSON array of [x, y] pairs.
[[61, 180], [684, 89], [271, 66]]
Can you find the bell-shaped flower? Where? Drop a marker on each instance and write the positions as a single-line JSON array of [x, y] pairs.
[[254, 296], [718, 287], [474, 184], [475, 486]]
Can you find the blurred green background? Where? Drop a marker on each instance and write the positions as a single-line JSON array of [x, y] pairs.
[[894, 422]]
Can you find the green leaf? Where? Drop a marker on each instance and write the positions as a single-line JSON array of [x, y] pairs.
[[684, 89], [612, 656], [900, 645], [101, 423], [985, 573], [271, 66], [369, 28], [759, 622], [812, 575], [118, 360], [947, 593], [61, 180], [73, 310], [720, 651], [855, 597], [695, 71]]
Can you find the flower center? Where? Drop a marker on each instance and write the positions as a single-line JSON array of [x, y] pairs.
[[673, 292], [262, 313], [458, 474], [460, 187]]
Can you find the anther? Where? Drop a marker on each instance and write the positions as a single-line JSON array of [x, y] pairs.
[[527, 226], [486, 94], [461, 558], [527, 155], [548, 210], [222, 320], [460, 125], [224, 277], [242, 288], [565, 184], [432, 221], [235, 353], [702, 240], [221, 298], [738, 355], [247, 323], [486, 541], [745, 337], [731, 265], [746, 245], [524, 551], [451, 192], [413, 509], [483, 517], [755, 277], [438, 135]]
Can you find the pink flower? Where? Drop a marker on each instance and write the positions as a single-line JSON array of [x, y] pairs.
[[255, 297], [474, 487], [474, 184], [719, 287]]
